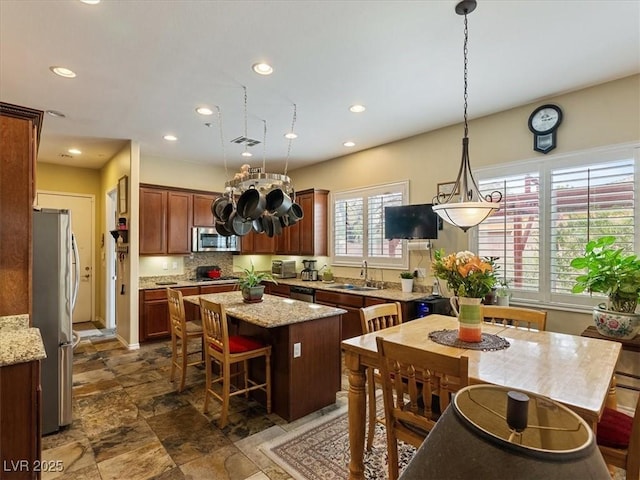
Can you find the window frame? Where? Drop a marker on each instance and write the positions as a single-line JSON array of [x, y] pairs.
[[401, 262], [545, 297]]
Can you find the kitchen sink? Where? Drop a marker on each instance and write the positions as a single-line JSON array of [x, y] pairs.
[[350, 286]]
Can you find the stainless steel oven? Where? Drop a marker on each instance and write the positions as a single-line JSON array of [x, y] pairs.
[[207, 239]]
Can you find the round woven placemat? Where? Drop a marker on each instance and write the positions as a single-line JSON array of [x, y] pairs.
[[489, 342]]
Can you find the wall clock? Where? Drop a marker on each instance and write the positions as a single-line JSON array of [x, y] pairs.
[[543, 123]]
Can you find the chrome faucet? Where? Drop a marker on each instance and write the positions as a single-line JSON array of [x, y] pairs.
[[365, 270]]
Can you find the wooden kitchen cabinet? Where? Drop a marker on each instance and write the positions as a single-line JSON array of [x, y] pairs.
[[309, 235], [257, 243], [166, 218], [153, 221], [351, 303], [154, 312], [20, 420], [19, 133], [277, 289], [202, 214]]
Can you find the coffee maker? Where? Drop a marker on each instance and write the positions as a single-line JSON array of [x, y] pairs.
[[309, 272]]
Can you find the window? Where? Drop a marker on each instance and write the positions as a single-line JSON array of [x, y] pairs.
[[549, 210], [358, 226]]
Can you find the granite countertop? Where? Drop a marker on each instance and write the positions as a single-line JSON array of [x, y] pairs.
[[18, 342], [271, 312], [148, 283]]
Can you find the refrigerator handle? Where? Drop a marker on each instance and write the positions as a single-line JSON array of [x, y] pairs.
[[76, 255]]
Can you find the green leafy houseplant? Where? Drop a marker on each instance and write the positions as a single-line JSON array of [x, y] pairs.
[[251, 278], [609, 271], [407, 275], [250, 284]]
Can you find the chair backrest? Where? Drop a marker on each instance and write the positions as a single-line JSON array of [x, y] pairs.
[[214, 326], [515, 316], [377, 317], [415, 375], [177, 316]]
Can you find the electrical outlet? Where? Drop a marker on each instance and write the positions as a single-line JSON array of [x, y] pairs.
[[297, 350], [165, 266], [174, 265], [422, 272]]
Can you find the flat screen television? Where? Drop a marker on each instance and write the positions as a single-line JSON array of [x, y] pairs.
[[411, 222]]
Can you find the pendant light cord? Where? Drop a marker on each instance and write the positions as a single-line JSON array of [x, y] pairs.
[[465, 51], [293, 123]]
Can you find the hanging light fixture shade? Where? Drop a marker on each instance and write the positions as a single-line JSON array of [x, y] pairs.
[[472, 207]]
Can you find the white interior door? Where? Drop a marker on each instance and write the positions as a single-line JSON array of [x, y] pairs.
[[82, 226]]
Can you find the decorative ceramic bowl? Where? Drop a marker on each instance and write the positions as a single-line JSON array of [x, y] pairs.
[[619, 325]]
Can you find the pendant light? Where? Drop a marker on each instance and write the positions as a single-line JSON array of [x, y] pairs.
[[472, 207]]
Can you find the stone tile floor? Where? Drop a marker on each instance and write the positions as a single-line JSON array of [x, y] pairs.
[[130, 423]]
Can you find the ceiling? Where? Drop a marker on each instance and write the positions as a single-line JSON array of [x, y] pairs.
[[144, 66]]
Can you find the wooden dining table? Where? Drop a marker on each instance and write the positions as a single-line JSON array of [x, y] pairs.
[[575, 371]]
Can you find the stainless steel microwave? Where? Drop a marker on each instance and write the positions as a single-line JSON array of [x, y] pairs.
[[207, 239]]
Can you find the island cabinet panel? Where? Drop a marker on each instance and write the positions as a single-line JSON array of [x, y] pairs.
[[202, 214], [20, 420], [179, 222], [351, 303], [309, 382], [153, 221], [154, 313]]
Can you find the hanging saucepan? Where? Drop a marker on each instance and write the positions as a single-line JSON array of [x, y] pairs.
[[257, 225], [284, 221], [238, 224], [221, 228], [278, 202], [267, 223], [217, 206], [295, 213], [225, 212], [277, 227], [251, 204]]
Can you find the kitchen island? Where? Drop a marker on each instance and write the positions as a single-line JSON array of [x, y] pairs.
[[305, 339]]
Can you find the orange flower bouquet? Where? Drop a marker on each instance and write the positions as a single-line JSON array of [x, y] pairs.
[[466, 274]]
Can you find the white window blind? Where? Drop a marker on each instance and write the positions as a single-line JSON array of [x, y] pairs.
[[549, 211], [358, 226]]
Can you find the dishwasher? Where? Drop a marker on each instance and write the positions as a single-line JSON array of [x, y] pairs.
[[303, 293]]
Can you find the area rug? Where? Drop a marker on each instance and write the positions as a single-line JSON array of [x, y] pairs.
[[319, 450]]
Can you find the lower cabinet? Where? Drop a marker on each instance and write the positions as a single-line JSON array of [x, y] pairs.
[[277, 289], [20, 421], [351, 303], [154, 313], [154, 310]]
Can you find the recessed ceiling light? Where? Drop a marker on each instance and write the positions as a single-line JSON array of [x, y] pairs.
[[204, 111], [170, 138], [63, 72], [349, 144], [357, 108], [90, 2], [290, 135], [262, 68], [74, 151], [55, 113], [247, 154]]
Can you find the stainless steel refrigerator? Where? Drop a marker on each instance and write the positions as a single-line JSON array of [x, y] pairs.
[[55, 286]]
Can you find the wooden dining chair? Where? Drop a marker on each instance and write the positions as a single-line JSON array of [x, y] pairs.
[[411, 379], [515, 316], [618, 438], [181, 332], [372, 319], [226, 351]]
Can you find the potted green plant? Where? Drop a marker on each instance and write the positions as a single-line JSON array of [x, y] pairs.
[[610, 271], [250, 284], [406, 280], [503, 293]]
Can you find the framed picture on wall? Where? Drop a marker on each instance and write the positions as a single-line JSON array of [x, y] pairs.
[[122, 195], [446, 189]]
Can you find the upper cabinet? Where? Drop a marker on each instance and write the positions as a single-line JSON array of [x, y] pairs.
[[19, 131], [309, 235], [202, 214]]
